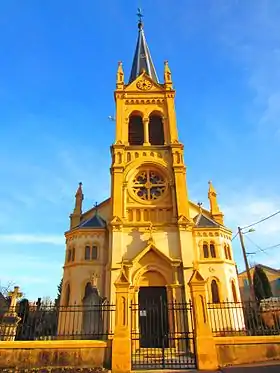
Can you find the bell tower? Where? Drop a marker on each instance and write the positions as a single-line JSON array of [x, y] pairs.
[[148, 174]]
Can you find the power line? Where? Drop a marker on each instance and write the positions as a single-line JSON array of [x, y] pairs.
[[257, 246], [236, 234], [262, 250], [260, 221]]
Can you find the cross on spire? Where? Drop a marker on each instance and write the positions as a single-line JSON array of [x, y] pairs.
[[140, 15], [200, 206], [15, 294]]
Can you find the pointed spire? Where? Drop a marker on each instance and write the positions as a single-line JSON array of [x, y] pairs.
[[142, 60], [214, 207], [75, 218], [167, 76], [120, 76], [79, 199]]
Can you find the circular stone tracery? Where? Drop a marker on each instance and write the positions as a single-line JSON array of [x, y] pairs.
[[149, 185]]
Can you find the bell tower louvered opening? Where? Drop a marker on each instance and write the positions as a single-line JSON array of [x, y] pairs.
[[135, 130], [156, 133]]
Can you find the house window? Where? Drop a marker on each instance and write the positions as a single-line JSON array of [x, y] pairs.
[[229, 252], [215, 292], [87, 253], [67, 295], [205, 250], [69, 255], [234, 294], [91, 253], [94, 252], [245, 283], [226, 252], [73, 254], [212, 250]]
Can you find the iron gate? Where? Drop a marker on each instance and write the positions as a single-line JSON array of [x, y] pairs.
[[162, 335]]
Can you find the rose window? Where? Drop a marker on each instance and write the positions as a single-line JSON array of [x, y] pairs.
[[149, 185]]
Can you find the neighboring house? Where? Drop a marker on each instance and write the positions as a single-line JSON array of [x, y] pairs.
[[272, 274]]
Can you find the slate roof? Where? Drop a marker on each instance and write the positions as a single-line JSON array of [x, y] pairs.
[[95, 222], [203, 221], [142, 58]]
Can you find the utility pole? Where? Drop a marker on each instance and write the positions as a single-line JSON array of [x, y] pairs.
[[251, 288]]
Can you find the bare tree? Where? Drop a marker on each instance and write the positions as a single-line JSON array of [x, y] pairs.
[[5, 288]]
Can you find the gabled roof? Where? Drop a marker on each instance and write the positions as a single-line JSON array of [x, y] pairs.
[[203, 221], [267, 268], [142, 58], [95, 222]]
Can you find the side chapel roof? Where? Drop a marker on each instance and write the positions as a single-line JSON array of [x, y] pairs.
[[203, 221], [94, 222]]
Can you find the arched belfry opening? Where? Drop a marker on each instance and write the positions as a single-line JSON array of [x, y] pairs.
[[135, 130], [156, 132]]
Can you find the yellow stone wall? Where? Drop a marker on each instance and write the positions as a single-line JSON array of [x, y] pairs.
[[44, 354]]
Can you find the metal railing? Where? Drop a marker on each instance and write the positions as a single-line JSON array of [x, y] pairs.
[[50, 322], [244, 318]]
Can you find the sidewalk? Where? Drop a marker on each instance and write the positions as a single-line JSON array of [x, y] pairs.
[[269, 366]]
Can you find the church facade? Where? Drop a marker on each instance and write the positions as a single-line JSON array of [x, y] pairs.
[[148, 227]]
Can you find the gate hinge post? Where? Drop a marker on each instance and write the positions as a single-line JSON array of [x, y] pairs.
[[205, 347]]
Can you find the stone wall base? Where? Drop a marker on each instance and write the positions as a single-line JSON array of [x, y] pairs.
[[69, 354], [247, 350]]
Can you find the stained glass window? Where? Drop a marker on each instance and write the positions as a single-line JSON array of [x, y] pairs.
[[149, 185]]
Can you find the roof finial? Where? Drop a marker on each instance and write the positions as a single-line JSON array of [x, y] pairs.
[[140, 17], [96, 208]]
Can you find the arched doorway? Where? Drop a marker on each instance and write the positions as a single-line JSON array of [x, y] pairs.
[[153, 310]]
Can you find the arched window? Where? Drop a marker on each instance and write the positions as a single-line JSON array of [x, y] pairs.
[[88, 289], [67, 295], [226, 251], [233, 289], [69, 255], [229, 252], [94, 252], [215, 292], [73, 254], [212, 250], [135, 130], [87, 253], [205, 250], [156, 132]]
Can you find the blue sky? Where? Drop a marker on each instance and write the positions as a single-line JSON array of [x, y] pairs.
[[57, 73]]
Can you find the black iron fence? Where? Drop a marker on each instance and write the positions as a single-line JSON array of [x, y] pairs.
[[244, 318], [162, 335], [50, 322]]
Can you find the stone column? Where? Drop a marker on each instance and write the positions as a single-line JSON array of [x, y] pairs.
[[206, 354], [121, 344], [8, 327], [146, 131]]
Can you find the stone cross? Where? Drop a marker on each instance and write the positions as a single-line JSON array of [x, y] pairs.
[[14, 296], [94, 278], [200, 206]]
